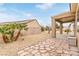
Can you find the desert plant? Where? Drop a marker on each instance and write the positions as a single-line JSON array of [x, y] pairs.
[[67, 30], [57, 26], [77, 30], [4, 30], [47, 28], [19, 27], [42, 28], [7, 31]]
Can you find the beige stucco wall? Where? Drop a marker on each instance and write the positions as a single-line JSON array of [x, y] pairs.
[[33, 28], [33, 24]]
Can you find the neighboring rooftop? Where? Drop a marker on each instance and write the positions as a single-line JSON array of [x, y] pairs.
[[24, 21]]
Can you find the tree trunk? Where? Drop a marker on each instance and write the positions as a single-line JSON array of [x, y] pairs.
[[16, 37], [67, 33], [12, 36], [5, 38]]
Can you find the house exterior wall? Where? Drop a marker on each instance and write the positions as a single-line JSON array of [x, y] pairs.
[[33, 28]]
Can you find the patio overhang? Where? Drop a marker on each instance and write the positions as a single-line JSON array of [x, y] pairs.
[[70, 16], [65, 17]]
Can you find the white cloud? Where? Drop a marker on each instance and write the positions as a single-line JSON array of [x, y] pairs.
[[14, 15], [28, 14], [45, 6], [1, 4]]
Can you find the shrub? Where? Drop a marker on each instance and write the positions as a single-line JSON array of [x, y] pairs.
[[67, 30], [7, 31], [77, 30], [42, 28]]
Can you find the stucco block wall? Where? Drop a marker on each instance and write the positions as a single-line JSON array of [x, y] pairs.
[[33, 28]]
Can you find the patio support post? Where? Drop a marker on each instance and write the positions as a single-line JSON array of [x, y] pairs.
[[75, 27], [75, 24], [61, 27], [76, 18], [53, 28], [75, 30]]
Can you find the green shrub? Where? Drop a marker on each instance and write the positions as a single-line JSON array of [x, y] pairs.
[[67, 30], [7, 31], [42, 28], [77, 30]]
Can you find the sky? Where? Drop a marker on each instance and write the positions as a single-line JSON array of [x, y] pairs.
[[42, 12]]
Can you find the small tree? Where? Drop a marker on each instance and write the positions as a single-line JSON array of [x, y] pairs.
[[47, 28], [57, 26], [77, 28], [5, 30], [42, 28], [8, 30], [19, 27], [67, 30]]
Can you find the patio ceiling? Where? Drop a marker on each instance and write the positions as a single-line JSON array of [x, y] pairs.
[[67, 16]]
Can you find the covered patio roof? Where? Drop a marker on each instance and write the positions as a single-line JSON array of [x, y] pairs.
[[67, 16], [70, 16]]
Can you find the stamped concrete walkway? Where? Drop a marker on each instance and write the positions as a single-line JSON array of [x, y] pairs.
[[49, 47]]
